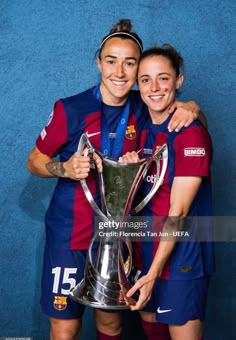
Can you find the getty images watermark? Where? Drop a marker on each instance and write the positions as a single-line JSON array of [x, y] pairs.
[[144, 229], [188, 229]]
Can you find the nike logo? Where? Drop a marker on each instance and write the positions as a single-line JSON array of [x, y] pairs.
[[159, 310], [92, 134]]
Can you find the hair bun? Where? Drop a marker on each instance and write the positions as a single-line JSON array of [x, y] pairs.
[[121, 30], [124, 25]]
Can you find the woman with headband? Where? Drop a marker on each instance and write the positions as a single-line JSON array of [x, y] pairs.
[[112, 116]]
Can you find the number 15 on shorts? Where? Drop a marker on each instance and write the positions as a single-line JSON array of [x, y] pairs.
[[63, 277]]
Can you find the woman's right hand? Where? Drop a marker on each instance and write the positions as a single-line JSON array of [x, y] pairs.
[[145, 287], [129, 157]]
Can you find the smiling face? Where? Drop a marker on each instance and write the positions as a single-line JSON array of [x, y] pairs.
[[158, 83], [118, 65]]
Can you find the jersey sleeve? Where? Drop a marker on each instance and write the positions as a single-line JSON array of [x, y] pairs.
[[193, 152], [54, 134]]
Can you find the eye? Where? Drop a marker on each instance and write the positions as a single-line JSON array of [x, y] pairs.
[[144, 80], [129, 64], [164, 78], [110, 62]]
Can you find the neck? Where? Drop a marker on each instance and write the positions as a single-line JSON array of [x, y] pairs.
[[112, 100], [158, 117]]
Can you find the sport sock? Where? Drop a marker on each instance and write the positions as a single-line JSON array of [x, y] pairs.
[[155, 330], [101, 336]]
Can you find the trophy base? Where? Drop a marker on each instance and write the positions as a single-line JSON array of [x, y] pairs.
[[81, 295]]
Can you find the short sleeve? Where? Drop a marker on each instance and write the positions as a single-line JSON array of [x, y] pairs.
[[193, 152], [54, 134]]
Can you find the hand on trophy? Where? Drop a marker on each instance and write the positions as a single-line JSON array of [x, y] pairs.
[[130, 157], [78, 166], [97, 159], [145, 286]]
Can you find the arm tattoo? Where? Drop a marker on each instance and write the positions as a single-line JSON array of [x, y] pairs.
[[56, 168]]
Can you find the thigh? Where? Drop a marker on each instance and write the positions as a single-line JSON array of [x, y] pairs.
[[191, 330], [146, 316], [62, 270], [181, 301], [108, 322]]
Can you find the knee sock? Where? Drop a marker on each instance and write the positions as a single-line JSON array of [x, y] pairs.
[[101, 336], [155, 330]]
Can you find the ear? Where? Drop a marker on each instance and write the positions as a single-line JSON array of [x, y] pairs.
[[179, 82], [99, 64]]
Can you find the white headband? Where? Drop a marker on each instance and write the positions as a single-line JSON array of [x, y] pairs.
[[121, 33]]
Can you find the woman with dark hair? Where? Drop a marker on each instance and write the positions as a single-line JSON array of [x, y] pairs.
[[175, 271]]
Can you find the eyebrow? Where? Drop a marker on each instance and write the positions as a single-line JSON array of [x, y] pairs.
[[159, 74], [114, 57]]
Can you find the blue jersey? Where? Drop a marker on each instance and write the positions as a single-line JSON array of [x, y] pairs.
[[189, 154], [69, 218]]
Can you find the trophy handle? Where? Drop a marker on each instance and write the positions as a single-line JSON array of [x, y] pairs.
[[84, 141], [92, 201], [158, 180]]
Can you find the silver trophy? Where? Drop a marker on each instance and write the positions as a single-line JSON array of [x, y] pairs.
[[106, 279]]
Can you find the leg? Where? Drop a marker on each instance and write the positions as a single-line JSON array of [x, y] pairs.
[[65, 329], [108, 323], [65, 314], [153, 329], [191, 330], [147, 316]]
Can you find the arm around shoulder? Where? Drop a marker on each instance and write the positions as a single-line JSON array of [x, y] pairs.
[[184, 113]]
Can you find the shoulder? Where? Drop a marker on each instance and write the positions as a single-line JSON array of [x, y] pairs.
[[84, 101], [193, 145], [195, 132]]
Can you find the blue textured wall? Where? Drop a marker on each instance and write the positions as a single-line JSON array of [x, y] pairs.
[[47, 52]]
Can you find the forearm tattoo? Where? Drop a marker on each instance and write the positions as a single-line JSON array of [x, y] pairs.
[[56, 168]]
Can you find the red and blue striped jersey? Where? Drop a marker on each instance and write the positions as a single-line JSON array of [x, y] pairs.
[[69, 218], [189, 154]]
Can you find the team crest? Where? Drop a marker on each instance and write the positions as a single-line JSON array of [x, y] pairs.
[[60, 302], [130, 132]]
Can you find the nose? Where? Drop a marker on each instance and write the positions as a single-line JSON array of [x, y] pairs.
[[155, 86], [120, 70]]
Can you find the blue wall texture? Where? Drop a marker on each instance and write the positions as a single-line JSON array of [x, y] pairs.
[[47, 52]]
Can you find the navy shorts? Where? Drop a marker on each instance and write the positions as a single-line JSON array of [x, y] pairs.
[[177, 302], [62, 270]]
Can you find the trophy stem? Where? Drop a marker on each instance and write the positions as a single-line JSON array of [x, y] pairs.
[[106, 281]]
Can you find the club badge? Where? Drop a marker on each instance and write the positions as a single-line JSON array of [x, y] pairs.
[[130, 132], [60, 302]]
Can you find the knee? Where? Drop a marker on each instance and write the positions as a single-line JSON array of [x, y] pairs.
[[65, 329], [108, 323]]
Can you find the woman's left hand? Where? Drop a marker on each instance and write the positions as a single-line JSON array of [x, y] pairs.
[[184, 113]]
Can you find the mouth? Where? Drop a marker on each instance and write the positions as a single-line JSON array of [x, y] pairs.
[[156, 98], [119, 82]]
